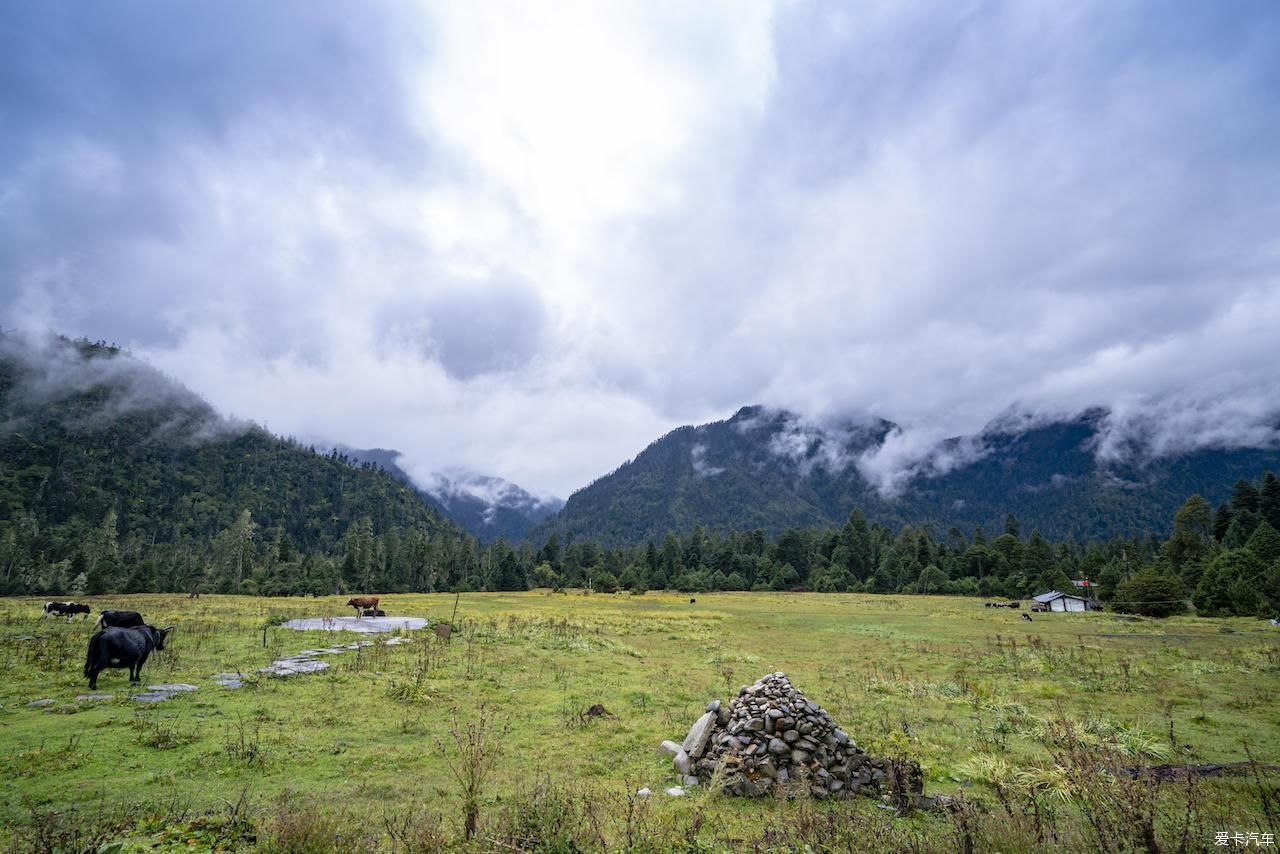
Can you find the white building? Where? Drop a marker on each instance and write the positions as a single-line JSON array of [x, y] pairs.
[[1055, 601]]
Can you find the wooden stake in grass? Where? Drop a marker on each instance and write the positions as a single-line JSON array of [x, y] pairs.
[[477, 743]]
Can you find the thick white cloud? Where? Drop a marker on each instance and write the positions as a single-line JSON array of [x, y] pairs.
[[526, 241]]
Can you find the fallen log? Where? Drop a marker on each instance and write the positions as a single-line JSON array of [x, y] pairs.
[[1180, 772]]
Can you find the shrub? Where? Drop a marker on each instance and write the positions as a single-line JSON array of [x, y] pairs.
[[1151, 594], [1229, 584]]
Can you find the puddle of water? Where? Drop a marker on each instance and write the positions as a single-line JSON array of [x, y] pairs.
[[364, 625]]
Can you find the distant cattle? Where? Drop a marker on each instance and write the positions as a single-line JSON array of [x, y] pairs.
[[119, 620], [120, 648], [374, 612], [1026, 617], [65, 609], [693, 601], [361, 603]]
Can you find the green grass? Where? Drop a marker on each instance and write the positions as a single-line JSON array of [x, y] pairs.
[[974, 694]]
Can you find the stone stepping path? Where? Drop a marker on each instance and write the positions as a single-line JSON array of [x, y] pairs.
[[308, 661], [153, 696], [160, 693], [292, 666], [95, 697]]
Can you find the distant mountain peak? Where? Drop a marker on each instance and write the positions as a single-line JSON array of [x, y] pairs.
[[488, 507], [454, 484]]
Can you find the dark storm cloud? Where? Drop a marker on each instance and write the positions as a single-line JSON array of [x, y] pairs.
[[473, 330], [137, 71], [109, 111]]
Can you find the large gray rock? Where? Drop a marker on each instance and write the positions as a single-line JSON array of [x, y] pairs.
[[696, 741], [153, 696], [682, 763]]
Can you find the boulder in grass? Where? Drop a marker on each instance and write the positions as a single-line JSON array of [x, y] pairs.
[[669, 748]]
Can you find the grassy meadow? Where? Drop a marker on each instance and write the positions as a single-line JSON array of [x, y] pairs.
[[1029, 723]]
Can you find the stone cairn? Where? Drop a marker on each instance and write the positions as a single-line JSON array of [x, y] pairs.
[[771, 736]]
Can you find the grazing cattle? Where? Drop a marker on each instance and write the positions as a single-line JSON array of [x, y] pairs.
[[119, 648], [693, 601], [1026, 617], [119, 620], [374, 612], [65, 609], [360, 603]]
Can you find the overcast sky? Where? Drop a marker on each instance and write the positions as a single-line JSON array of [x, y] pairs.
[[526, 239]]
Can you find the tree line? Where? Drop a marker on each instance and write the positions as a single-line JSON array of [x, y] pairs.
[[1224, 561]]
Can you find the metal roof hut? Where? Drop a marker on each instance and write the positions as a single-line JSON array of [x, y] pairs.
[[1055, 601]]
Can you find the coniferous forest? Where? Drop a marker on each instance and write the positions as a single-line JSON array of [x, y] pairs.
[[115, 479]]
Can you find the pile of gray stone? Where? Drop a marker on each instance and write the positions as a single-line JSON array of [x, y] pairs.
[[772, 739]]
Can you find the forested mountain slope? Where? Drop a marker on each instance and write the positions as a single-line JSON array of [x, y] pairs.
[[766, 469], [92, 438]]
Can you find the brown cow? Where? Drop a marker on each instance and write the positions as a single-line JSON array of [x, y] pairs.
[[362, 602]]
